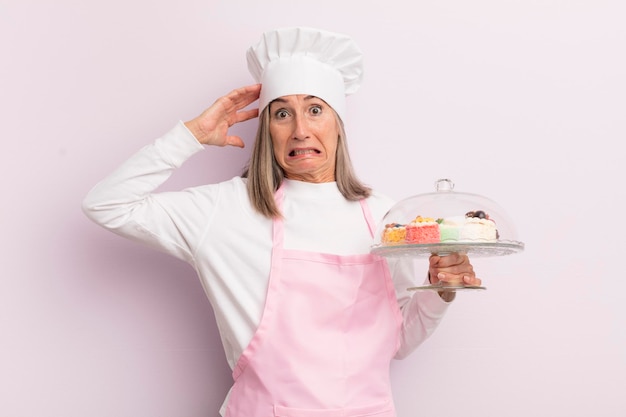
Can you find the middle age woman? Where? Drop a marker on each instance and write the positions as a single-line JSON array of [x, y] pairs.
[[308, 317]]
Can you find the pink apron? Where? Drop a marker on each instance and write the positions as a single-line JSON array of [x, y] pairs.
[[329, 330]]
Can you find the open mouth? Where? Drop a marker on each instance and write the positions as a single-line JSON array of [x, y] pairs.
[[298, 152]]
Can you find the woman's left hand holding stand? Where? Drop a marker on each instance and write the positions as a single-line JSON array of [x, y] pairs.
[[453, 269], [211, 127]]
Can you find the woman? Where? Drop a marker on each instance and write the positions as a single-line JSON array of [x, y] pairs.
[[309, 319]]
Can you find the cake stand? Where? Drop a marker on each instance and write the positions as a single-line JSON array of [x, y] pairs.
[[446, 203]]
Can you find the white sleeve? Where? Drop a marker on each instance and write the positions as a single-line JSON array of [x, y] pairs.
[[125, 202], [421, 310]]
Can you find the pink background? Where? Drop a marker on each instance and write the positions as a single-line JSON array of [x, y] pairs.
[[519, 101]]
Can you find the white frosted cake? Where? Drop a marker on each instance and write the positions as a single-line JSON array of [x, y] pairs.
[[478, 227]]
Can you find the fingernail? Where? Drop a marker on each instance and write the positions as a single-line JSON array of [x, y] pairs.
[[466, 279], [441, 275]]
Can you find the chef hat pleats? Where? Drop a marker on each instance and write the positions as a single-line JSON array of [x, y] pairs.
[[306, 61]]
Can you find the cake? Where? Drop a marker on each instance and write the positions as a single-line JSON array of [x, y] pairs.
[[422, 230], [450, 228], [394, 234], [478, 227]]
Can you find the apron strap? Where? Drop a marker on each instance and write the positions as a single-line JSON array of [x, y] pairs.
[[371, 224], [277, 223]]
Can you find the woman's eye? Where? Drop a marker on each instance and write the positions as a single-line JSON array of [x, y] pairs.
[[281, 114], [316, 110]]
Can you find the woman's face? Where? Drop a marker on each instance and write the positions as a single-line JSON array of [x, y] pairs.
[[304, 136]]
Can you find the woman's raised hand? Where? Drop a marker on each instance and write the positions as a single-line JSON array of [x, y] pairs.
[[211, 127]]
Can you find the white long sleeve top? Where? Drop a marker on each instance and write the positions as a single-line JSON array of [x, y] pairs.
[[215, 229]]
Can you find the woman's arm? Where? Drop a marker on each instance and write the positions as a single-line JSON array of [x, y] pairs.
[[125, 202], [422, 311]]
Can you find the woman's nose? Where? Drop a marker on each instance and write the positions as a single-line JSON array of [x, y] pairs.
[[301, 128]]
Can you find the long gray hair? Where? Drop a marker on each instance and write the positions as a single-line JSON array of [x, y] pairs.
[[265, 175]]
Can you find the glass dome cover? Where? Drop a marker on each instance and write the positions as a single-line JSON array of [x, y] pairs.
[[446, 221]]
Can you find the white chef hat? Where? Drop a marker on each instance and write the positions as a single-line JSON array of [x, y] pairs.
[[303, 60]]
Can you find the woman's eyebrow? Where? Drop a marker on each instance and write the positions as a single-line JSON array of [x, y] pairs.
[[282, 100]]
